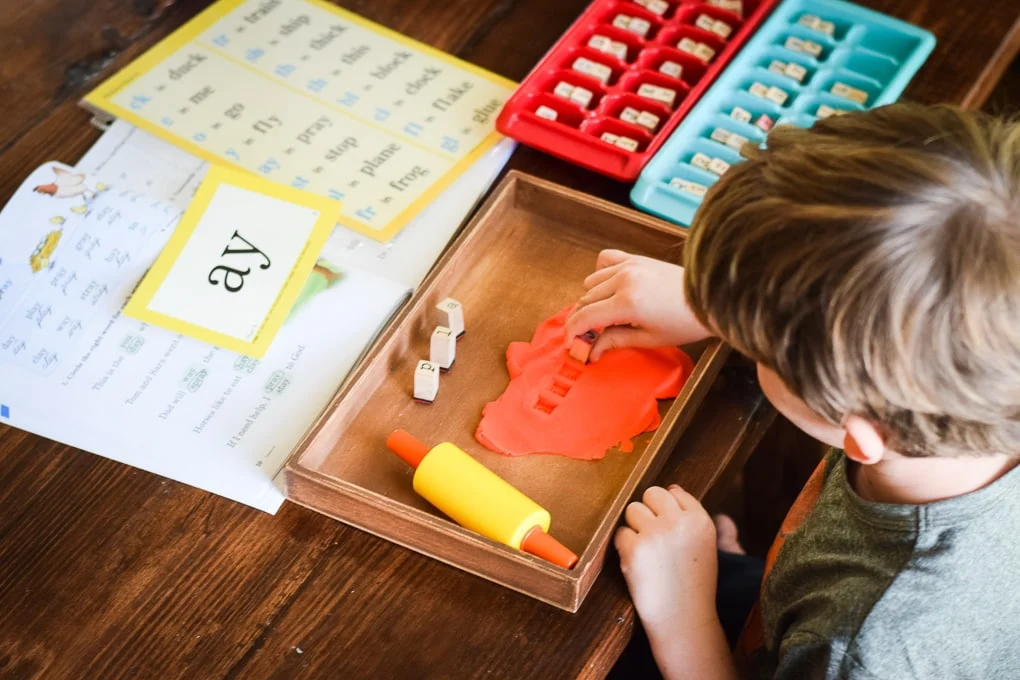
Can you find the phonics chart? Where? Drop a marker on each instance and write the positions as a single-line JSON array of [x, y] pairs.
[[308, 95]]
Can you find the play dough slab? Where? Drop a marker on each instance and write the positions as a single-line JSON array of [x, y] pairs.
[[556, 404]]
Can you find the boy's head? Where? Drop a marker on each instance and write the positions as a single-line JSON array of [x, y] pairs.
[[872, 263]]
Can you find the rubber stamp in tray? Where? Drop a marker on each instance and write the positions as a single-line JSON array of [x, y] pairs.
[[520, 260]]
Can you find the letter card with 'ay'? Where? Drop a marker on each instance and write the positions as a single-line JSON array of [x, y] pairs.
[[236, 263], [308, 95]]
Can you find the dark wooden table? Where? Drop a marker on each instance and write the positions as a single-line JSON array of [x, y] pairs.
[[109, 571]]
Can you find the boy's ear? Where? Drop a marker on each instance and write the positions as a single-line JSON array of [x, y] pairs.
[[863, 442]]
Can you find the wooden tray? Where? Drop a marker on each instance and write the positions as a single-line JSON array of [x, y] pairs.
[[521, 259]]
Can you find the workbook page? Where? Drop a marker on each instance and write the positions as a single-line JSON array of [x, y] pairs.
[[73, 368]]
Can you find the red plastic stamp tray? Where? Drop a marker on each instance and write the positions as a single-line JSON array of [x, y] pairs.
[[576, 133]]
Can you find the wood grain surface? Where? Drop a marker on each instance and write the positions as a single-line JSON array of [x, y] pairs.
[[113, 572]]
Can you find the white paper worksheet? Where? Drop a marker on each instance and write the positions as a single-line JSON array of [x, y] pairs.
[[75, 369], [72, 368]]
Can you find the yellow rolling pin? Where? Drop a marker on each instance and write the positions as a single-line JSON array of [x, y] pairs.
[[478, 499]]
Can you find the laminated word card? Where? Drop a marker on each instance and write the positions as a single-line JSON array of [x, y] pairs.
[[236, 263], [312, 96]]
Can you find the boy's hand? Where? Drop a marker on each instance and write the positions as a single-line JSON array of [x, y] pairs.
[[639, 301], [668, 556]]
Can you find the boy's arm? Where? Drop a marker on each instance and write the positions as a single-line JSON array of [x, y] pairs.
[[639, 301], [687, 650], [668, 556]]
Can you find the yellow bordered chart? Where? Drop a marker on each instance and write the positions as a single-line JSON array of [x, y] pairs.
[[236, 263], [311, 96]]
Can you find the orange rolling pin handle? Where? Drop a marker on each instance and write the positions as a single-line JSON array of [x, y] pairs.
[[541, 544], [478, 499], [408, 447]]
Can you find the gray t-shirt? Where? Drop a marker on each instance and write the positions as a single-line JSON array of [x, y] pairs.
[[873, 590]]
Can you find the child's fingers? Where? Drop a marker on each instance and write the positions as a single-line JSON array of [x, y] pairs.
[[638, 516], [609, 257], [620, 337], [624, 540], [660, 501], [686, 500], [599, 276], [601, 314], [602, 291], [571, 325]]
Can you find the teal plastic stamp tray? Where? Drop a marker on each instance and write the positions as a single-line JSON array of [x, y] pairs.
[[811, 59]]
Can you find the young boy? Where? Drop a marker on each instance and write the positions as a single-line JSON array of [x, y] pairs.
[[871, 267]]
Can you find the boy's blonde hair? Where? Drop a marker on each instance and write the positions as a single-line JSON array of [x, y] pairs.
[[873, 262]]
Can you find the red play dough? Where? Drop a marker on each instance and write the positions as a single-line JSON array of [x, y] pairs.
[[556, 404]]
